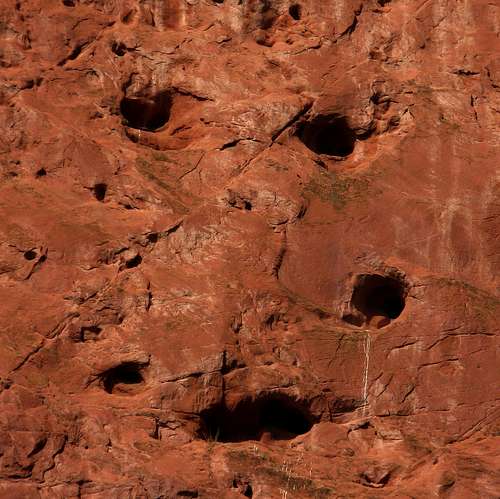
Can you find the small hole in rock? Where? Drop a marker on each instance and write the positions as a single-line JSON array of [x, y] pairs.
[[41, 173], [343, 406], [30, 255], [125, 379], [90, 333], [243, 487], [272, 416], [119, 49], [375, 478], [146, 113], [69, 3], [376, 298], [268, 15], [152, 237], [295, 11], [328, 134], [128, 17], [133, 262], [237, 201], [100, 191], [6, 384], [354, 319], [85, 333]]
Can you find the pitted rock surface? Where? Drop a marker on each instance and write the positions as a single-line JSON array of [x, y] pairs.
[[249, 248]]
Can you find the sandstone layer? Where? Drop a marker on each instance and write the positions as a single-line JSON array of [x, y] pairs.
[[249, 248]]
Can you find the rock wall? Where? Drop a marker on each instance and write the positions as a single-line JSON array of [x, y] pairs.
[[249, 248]]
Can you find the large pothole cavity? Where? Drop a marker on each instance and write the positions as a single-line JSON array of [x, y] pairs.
[[376, 300], [271, 416], [147, 113], [328, 134]]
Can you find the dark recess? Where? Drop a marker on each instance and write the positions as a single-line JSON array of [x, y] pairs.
[[147, 113], [90, 333], [152, 237], [99, 191], [295, 11], [187, 493], [267, 14], [377, 295], [243, 487], [328, 134], [276, 414], [127, 18], [30, 255], [123, 379], [118, 48], [133, 262]]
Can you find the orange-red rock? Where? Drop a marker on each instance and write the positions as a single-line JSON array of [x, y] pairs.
[[249, 248]]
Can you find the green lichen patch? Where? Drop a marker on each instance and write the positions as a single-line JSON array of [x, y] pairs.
[[335, 189]]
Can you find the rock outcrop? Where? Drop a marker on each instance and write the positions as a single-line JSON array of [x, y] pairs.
[[249, 248]]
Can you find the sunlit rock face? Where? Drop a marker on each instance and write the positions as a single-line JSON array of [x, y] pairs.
[[249, 248]]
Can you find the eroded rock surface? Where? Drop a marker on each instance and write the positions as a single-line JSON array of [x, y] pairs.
[[249, 248]]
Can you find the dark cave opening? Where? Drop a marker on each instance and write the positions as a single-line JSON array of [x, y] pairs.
[[328, 134], [147, 113], [275, 415], [119, 48], [133, 262], [377, 295], [99, 191], [30, 255], [125, 379], [90, 333], [268, 15], [295, 11], [244, 487]]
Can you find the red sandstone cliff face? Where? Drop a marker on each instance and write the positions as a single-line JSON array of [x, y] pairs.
[[249, 248]]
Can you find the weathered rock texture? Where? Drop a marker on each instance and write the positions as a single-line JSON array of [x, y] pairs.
[[249, 248]]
